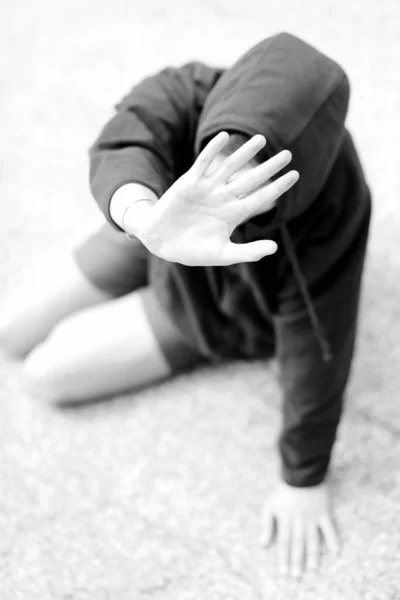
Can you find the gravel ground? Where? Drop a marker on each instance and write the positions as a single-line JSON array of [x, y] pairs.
[[158, 493]]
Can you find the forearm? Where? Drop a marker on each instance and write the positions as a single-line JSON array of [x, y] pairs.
[[313, 389], [306, 443], [129, 196], [312, 406]]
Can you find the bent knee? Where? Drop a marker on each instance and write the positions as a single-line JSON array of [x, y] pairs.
[[41, 377], [6, 338], [13, 339], [48, 370]]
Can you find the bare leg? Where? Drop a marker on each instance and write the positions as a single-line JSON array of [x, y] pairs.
[[98, 267], [98, 351], [48, 290]]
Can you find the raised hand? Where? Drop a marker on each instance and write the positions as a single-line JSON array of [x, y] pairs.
[[193, 221]]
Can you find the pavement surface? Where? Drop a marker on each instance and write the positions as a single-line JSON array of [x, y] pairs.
[[157, 494]]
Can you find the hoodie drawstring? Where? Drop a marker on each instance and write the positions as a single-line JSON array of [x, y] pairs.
[[301, 280]]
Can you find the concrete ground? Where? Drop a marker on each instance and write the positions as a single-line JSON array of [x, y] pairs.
[[158, 493]]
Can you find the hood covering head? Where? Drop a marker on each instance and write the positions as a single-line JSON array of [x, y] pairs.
[[298, 99]]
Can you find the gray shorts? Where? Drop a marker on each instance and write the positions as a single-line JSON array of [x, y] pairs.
[[119, 265]]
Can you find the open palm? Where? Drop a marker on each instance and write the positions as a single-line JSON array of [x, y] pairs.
[[193, 221]]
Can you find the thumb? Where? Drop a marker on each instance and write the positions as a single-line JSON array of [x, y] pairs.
[[251, 252]]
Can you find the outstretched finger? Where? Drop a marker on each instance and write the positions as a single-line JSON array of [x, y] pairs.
[[251, 252], [312, 552], [270, 192], [329, 534], [253, 178], [284, 539], [240, 157], [208, 154], [263, 199], [268, 529], [297, 548]]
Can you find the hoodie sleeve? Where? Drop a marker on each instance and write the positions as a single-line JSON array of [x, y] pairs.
[[313, 389], [298, 98], [150, 138]]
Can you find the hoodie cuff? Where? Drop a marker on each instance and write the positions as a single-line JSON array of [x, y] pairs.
[[111, 170], [304, 477]]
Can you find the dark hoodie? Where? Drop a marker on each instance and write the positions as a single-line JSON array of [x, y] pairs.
[[300, 303]]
